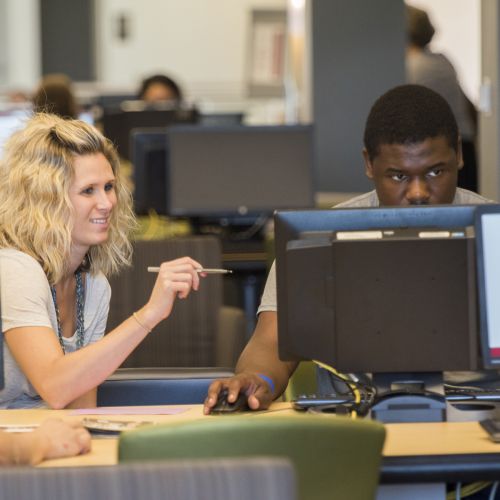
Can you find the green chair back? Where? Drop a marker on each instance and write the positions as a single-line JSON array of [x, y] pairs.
[[334, 457]]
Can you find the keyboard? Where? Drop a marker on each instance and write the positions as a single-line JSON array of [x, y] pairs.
[[472, 394], [304, 402]]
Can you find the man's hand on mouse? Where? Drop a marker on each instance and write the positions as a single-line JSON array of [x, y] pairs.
[[257, 390]]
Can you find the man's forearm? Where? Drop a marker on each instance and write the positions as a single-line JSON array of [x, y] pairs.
[[260, 356]]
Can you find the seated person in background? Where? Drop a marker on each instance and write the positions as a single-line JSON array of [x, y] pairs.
[[158, 88], [55, 95], [413, 155], [434, 70], [18, 96], [52, 439], [65, 220]]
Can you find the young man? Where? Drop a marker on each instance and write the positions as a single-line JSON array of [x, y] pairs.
[[413, 154]]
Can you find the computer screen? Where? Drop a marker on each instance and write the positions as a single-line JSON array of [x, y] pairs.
[[118, 124], [378, 289], [239, 171], [150, 165], [488, 251]]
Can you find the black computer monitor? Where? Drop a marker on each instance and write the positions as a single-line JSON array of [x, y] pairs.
[[397, 296], [150, 170], [237, 172], [118, 124], [221, 119], [112, 101], [488, 252]]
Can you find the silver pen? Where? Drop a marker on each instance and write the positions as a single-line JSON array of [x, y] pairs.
[[153, 269]]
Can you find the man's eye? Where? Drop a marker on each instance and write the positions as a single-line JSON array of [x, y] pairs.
[[435, 172], [398, 177]]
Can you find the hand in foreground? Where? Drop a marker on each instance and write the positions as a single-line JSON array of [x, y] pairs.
[[61, 439], [176, 278], [259, 395]]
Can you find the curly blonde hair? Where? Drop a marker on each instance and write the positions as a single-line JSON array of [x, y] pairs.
[[36, 215]]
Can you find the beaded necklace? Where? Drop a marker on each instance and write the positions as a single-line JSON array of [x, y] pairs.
[[80, 329]]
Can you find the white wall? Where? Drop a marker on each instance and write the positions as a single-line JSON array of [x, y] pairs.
[[201, 43], [458, 36], [204, 43], [489, 123], [22, 43]]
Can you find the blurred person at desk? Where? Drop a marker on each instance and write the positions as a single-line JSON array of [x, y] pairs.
[[412, 153], [434, 70], [65, 220], [160, 88], [55, 95], [52, 439]]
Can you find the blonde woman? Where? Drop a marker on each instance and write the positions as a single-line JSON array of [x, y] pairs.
[[65, 219]]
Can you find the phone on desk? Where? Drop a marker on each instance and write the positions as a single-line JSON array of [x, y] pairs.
[[492, 427]]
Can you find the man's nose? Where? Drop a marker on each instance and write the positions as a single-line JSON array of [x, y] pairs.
[[417, 192]]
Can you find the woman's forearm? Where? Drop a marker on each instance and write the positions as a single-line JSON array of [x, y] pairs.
[[76, 373]]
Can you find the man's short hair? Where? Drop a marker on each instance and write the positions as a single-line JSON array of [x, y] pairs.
[[409, 114]]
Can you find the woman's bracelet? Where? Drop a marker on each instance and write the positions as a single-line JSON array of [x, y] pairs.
[[142, 325]]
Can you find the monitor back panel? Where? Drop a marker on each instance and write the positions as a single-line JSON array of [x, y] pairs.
[[150, 170], [405, 305], [239, 170], [118, 125]]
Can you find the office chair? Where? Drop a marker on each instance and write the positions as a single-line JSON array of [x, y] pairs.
[[243, 479], [334, 457]]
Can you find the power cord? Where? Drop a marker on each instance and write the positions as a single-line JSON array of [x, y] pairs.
[[464, 491], [363, 394]]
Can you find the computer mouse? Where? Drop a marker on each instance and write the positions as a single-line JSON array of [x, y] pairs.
[[224, 406]]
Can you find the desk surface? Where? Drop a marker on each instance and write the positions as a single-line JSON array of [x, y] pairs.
[[421, 446]]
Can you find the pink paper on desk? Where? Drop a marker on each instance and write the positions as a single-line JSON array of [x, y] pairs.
[[131, 410]]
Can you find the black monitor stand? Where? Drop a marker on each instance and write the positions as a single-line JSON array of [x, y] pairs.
[[244, 252], [420, 397], [409, 397]]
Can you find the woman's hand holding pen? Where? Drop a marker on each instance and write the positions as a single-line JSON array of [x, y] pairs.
[[176, 278]]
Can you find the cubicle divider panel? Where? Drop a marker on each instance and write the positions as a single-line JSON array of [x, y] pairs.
[[188, 336]]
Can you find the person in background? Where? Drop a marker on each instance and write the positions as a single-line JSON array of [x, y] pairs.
[[160, 88], [52, 439], [65, 221], [412, 153], [55, 95], [18, 96], [435, 71]]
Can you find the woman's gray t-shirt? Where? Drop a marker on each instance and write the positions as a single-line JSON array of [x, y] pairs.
[[26, 301]]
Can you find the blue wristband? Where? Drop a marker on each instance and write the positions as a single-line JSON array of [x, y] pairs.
[[267, 379]]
